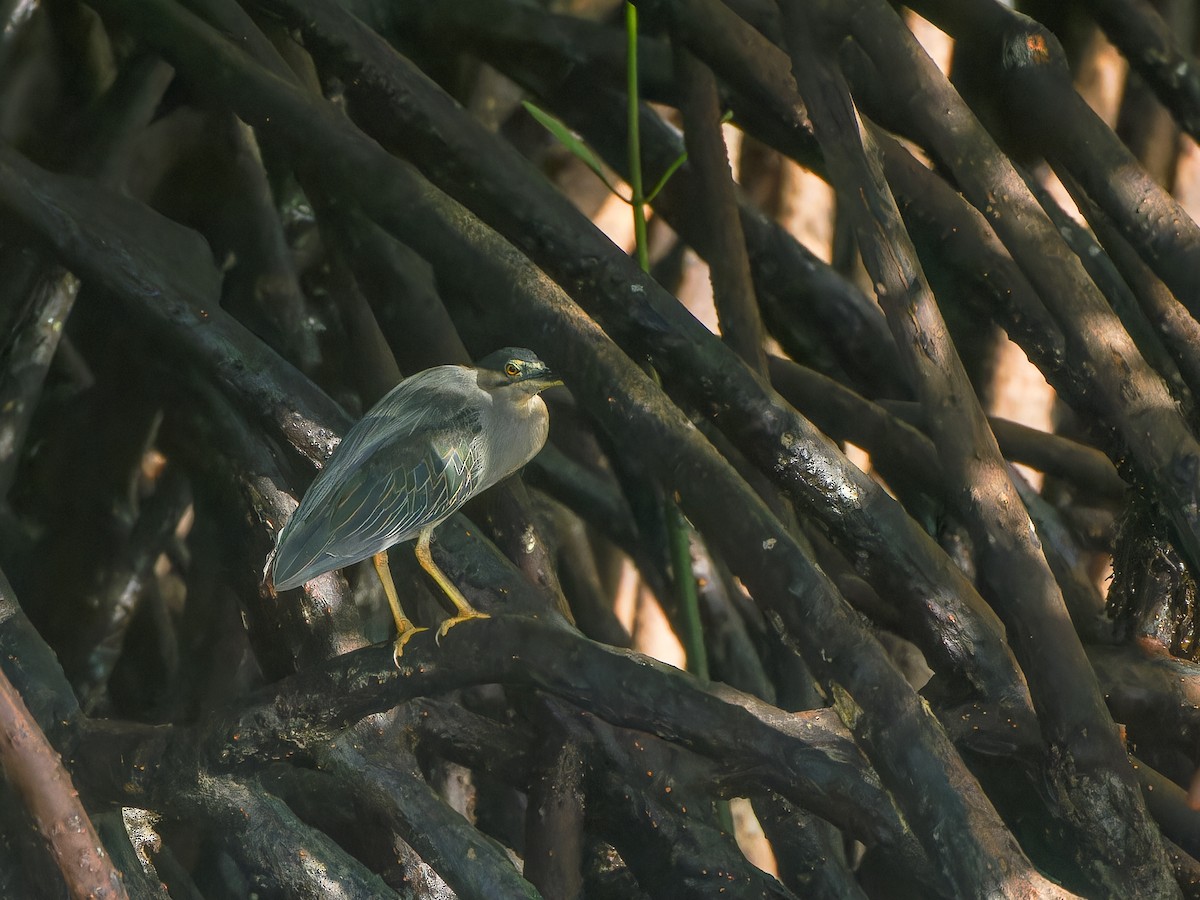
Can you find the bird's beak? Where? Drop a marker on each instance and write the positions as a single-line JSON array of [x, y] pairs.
[[542, 380]]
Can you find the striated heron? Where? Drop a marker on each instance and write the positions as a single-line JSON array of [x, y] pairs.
[[435, 441]]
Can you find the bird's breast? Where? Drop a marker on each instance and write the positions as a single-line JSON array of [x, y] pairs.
[[517, 439]]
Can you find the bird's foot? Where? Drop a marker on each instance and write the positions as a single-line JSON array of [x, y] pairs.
[[458, 620], [401, 639]]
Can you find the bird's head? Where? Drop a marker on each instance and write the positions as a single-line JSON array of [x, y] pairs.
[[515, 367]]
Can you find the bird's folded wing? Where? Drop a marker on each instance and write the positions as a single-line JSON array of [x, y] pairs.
[[399, 489]]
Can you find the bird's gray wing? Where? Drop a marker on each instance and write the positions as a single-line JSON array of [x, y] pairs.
[[397, 474], [406, 486], [426, 402]]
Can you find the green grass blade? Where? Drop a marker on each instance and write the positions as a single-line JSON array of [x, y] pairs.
[[565, 137], [662, 182]]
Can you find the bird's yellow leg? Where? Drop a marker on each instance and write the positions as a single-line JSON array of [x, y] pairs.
[[466, 611], [404, 625]]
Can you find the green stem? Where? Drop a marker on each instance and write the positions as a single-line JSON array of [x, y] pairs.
[[678, 534], [638, 201]]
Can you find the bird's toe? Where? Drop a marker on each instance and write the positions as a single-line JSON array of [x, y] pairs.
[[402, 639], [458, 620]]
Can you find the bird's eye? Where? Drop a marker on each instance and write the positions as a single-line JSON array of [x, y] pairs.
[[511, 370]]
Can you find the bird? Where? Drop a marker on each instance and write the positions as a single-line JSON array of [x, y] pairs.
[[437, 439]]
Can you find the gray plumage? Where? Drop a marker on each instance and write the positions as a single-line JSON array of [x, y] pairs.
[[434, 441]]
